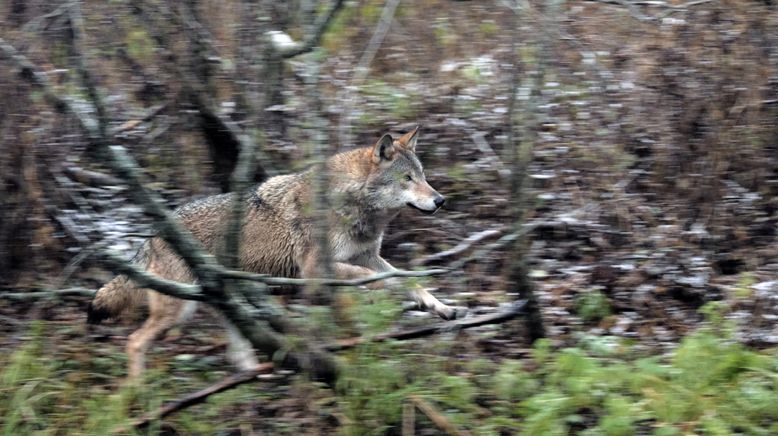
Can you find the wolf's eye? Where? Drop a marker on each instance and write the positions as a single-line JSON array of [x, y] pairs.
[[408, 177]]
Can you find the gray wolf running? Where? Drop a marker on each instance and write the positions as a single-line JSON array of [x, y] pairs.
[[368, 187]]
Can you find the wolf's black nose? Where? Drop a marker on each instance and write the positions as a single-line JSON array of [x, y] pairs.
[[439, 200]]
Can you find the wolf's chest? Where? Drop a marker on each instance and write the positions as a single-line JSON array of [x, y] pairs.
[[346, 247]]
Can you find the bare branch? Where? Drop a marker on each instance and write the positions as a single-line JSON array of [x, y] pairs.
[[31, 295], [409, 419], [143, 279], [362, 68], [490, 156], [312, 40], [31, 74], [169, 228], [201, 263], [79, 46], [459, 248], [283, 281], [239, 185], [515, 310], [40, 22]]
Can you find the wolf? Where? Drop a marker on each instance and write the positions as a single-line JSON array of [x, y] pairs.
[[368, 187]]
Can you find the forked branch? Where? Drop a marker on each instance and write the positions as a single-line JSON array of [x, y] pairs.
[[312, 40]]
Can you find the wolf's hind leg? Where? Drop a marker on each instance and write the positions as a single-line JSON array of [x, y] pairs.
[[164, 313]]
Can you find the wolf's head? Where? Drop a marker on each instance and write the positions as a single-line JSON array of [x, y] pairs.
[[397, 178]]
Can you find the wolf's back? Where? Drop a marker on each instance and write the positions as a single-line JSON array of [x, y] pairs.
[[116, 296]]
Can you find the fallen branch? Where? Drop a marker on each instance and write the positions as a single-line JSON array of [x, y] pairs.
[[517, 309], [436, 417], [198, 397]]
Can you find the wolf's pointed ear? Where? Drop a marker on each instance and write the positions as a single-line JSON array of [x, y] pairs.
[[383, 149], [408, 140]]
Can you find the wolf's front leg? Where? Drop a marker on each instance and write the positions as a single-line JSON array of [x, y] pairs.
[[421, 297], [342, 270]]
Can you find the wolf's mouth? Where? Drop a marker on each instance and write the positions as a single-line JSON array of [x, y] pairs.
[[428, 212]]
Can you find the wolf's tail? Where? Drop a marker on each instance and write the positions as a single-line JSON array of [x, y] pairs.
[[117, 296]]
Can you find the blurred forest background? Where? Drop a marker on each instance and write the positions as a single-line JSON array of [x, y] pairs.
[[632, 145]]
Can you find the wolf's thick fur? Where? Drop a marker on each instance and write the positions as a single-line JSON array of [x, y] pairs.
[[368, 187]]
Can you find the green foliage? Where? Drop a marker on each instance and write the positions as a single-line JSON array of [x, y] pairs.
[[41, 392], [140, 46], [708, 385], [593, 306], [743, 288]]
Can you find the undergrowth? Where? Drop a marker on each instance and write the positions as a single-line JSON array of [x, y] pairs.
[[710, 384]]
